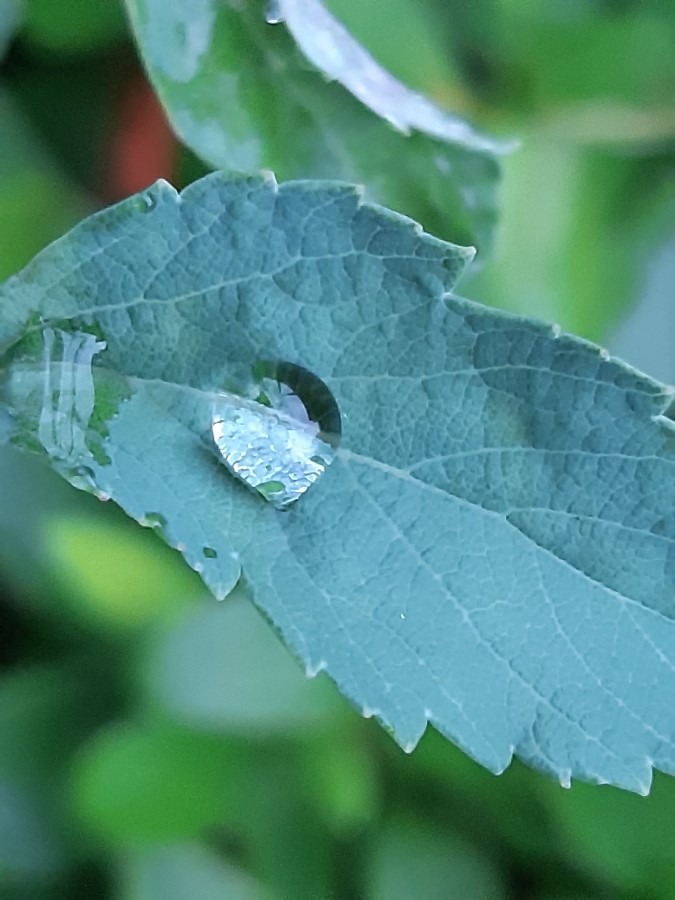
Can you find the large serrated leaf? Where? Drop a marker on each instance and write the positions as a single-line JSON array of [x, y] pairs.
[[241, 95], [491, 549]]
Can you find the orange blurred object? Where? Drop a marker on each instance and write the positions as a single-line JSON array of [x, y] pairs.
[[143, 146]]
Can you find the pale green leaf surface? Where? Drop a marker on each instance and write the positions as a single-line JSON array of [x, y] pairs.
[[10, 19], [410, 861], [491, 549], [238, 92], [220, 668], [180, 871]]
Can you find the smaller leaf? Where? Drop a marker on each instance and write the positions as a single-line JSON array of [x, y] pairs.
[[10, 19], [222, 669], [97, 563], [242, 94], [182, 871], [411, 860], [150, 784], [329, 46]]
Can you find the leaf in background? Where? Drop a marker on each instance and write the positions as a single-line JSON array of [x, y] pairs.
[[404, 37], [221, 669], [72, 26], [96, 563], [10, 20], [618, 837], [491, 549], [646, 337], [181, 871], [149, 784], [413, 861], [238, 93], [599, 217], [36, 202]]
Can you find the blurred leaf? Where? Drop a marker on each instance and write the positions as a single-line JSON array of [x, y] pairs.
[[508, 810], [30, 849], [221, 668], [41, 714], [620, 837], [414, 859], [340, 775], [579, 229], [512, 442], [284, 844], [114, 576], [27, 484], [403, 36], [36, 204], [185, 872], [646, 337], [238, 92], [38, 721], [333, 51], [69, 26], [11, 13], [584, 50], [150, 784]]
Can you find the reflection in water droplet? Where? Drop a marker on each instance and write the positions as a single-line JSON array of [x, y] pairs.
[[67, 394], [282, 442]]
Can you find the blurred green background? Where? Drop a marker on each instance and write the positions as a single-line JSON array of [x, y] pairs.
[[157, 745]]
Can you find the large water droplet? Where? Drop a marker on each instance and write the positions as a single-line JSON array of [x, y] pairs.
[[281, 442]]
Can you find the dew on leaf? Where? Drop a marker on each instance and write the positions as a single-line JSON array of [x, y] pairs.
[[280, 443], [209, 553], [273, 14], [147, 202], [154, 520]]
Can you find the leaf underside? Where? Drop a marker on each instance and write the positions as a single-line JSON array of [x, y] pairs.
[[491, 549]]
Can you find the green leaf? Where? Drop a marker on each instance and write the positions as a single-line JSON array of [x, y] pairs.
[[600, 219], [73, 25], [220, 668], [10, 20], [96, 564], [619, 837], [239, 93], [36, 202], [647, 335], [179, 871], [150, 784], [491, 548], [414, 861]]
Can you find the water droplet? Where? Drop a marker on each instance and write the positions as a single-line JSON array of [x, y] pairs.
[[154, 520], [209, 553], [281, 442], [274, 15], [81, 477], [147, 201]]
